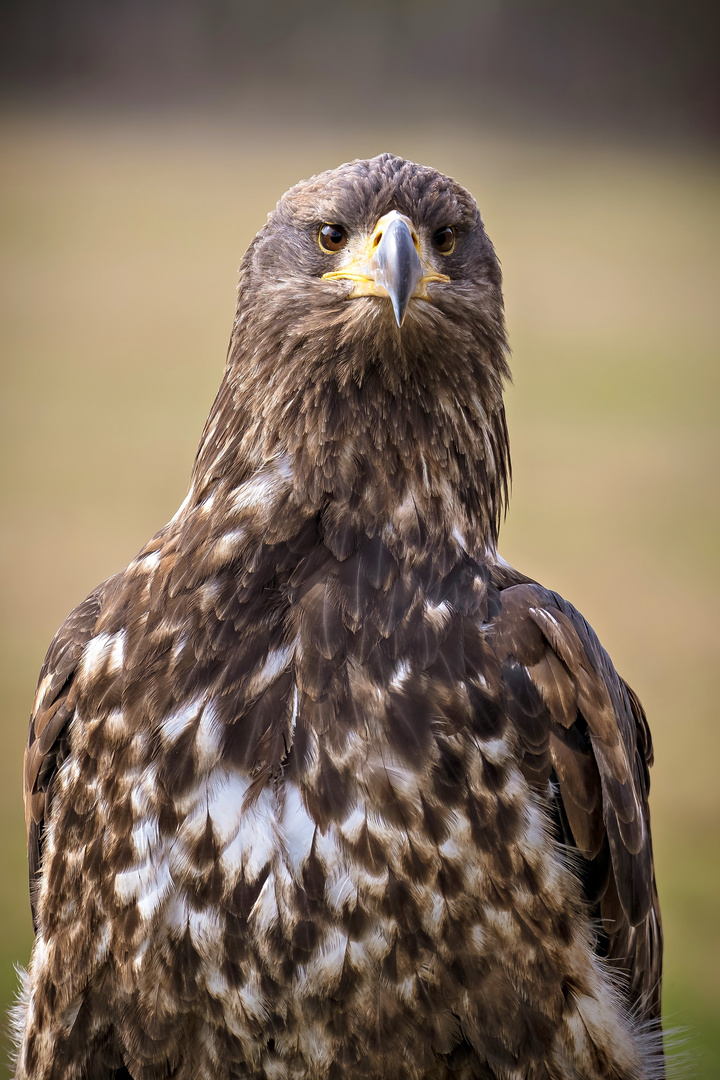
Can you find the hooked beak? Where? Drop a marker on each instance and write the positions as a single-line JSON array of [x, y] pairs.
[[399, 270], [390, 265]]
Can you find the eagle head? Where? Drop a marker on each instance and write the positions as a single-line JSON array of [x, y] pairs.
[[369, 322], [403, 242]]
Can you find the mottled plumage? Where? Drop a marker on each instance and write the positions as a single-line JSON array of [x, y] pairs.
[[319, 786]]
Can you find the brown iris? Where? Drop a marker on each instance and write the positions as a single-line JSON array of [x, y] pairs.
[[444, 240], [332, 237]]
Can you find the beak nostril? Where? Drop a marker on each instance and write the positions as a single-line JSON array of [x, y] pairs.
[[377, 238]]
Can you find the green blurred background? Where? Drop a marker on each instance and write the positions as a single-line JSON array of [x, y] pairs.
[[142, 146]]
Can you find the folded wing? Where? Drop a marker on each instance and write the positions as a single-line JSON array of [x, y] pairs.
[[586, 746]]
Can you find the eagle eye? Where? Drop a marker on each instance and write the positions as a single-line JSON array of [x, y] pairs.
[[332, 237], [444, 240]]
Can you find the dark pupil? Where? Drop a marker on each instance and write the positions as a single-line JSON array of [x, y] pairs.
[[444, 239], [332, 236]]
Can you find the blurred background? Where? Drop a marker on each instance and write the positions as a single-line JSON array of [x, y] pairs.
[[142, 143]]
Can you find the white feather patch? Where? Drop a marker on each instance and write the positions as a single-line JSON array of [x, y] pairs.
[[176, 723], [208, 738], [298, 828], [145, 836], [225, 805], [255, 839], [266, 485], [95, 654], [264, 912], [275, 663]]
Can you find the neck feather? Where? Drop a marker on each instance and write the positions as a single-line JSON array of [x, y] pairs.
[[365, 419]]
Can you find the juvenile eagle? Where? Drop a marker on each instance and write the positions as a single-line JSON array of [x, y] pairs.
[[320, 787]]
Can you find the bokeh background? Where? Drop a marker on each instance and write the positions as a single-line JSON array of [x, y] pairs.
[[142, 143]]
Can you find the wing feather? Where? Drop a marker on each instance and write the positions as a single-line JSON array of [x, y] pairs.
[[564, 693], [52, 712]]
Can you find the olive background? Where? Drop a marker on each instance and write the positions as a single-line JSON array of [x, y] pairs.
[[131, 182]]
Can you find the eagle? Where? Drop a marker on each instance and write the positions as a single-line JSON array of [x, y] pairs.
[[320, 787]]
